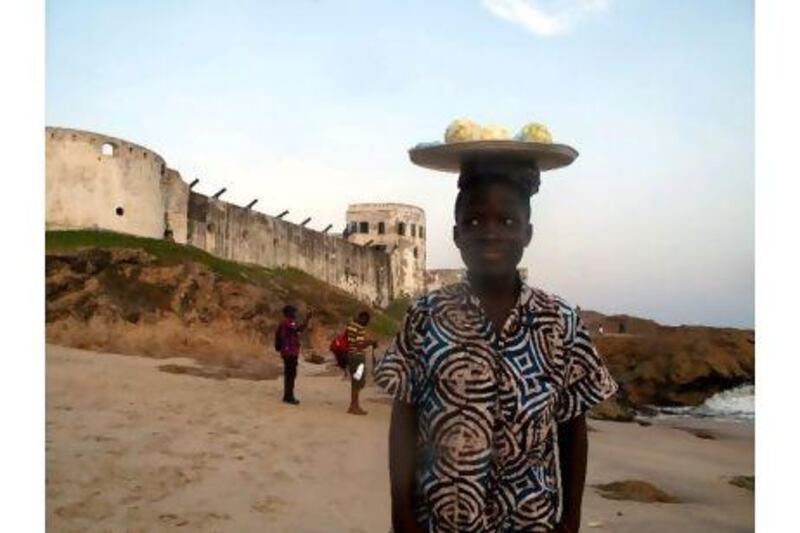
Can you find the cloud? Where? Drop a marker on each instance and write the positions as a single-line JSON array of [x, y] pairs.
[[553, 18]]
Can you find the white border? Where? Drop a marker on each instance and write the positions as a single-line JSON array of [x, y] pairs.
[[777, 269], [22, 142]]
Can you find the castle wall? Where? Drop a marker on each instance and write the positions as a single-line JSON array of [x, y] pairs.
[[175, 196], [436, 279], [86, 188], [239, 234], [407, 252], [101, 182]]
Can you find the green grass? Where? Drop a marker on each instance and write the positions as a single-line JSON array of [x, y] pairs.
[[397, 308], [167, 253]]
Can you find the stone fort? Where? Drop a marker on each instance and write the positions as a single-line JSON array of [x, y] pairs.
[[94, 181]]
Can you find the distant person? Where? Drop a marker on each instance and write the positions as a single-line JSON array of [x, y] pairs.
[[357, 342], [600, 329], [287, 342]]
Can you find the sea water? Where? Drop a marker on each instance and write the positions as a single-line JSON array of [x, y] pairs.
[[733, 404]]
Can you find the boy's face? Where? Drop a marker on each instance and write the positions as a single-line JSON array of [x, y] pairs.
[[492, 230]]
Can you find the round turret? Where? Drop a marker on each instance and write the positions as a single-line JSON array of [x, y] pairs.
[[101, 182]]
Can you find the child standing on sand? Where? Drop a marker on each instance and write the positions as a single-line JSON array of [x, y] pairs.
[[288, 344], [357, 342], [491, 377]]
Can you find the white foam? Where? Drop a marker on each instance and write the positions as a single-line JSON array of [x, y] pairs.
[[738, 403]]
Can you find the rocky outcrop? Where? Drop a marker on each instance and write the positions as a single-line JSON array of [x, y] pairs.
[[663, 365]]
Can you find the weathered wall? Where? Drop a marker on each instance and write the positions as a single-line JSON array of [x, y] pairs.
[[175, 194], [436, 279], [88, 189], [238, 234], [407, 252]]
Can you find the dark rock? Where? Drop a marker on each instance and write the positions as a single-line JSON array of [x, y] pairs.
[[744, 482], [634, 490]]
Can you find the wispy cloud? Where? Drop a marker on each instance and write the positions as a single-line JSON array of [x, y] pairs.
[[544, 18]]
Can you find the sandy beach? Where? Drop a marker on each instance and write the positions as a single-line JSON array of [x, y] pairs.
[[132, 448]]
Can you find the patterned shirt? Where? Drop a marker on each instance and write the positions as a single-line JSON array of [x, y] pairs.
[[356, 333], [488, 405]]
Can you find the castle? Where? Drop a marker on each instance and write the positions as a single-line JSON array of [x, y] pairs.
[[101, 182]]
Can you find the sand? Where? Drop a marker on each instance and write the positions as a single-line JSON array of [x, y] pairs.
[[132, 448]]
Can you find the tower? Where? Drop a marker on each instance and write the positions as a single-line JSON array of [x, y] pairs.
[[398, 230]]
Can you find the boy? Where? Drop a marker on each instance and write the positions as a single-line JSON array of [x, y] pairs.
[[491, 377], [289, 335], [356, 344]]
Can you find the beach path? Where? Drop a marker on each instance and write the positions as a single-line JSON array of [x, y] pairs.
[[132, 448]]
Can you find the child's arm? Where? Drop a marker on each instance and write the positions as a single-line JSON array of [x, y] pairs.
[[304, 325], [573, 447], [402, 464]]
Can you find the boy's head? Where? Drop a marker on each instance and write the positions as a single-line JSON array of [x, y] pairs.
[[363, 318], [290, 311], [492, 215]]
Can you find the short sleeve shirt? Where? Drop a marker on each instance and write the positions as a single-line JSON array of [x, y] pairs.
[[356, 333], [488, 405]]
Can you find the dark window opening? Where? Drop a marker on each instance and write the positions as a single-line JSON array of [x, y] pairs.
[[119, 211], [130, 149], [144, 154], [210, 227], [381, 228], [413, 230], [416, 252], [163, 168], [422, 232], [401, 228], [380, 247], [363, 227]]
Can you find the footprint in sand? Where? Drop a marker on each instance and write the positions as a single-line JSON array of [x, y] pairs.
[[164, 481], [172, 520], [92, 509], [196, 519], [269, 505], [280, 475]]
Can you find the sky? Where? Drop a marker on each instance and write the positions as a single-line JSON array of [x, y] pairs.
[[312, 105]]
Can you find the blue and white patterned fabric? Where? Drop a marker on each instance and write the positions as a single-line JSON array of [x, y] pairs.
[[488, 405]]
